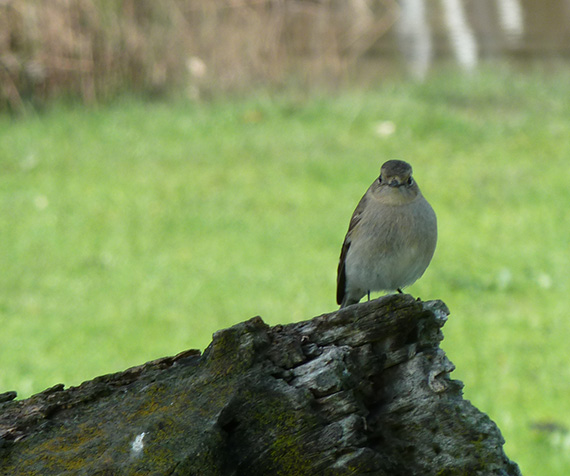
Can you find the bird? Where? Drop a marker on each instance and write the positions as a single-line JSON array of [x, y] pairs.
[[391, 237]]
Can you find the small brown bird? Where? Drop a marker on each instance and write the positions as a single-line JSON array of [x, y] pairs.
[[391, 237]]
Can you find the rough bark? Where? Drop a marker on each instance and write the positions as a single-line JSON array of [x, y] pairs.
[[364, 390]]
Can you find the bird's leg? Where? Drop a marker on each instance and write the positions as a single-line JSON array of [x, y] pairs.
[[400, 291], [369, 294]]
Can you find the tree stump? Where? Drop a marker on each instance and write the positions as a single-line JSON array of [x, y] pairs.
[[363, 390]]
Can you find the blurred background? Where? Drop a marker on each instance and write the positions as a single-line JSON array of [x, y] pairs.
[[171, 168], [94, 50]]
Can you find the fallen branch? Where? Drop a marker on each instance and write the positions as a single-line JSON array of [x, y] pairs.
[[364, 390]]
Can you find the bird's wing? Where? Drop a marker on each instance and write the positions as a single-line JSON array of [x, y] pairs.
[[354, 220]]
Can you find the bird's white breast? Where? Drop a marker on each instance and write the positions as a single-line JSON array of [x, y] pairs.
[[392, 246]]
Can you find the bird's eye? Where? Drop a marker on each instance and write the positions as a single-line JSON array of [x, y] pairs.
[[380, 179], [410, 181]]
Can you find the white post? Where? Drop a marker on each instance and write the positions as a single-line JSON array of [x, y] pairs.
[[461, 35], [415, 36], [511, 19]]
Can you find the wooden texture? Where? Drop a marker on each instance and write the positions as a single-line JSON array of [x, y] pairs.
[[364, 390]]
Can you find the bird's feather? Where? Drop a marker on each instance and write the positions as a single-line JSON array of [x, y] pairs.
[[354, 220]]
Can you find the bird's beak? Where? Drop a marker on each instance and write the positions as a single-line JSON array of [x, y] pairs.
[[394, 183]]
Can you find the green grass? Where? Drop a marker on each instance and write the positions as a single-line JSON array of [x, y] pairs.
[[136, 230]]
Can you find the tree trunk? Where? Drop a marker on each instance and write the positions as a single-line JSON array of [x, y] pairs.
[[363, 390]]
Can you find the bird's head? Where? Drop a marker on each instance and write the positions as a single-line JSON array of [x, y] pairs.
[[396, 181]]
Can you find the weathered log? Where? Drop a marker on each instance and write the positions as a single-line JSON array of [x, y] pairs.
[[364, 390]]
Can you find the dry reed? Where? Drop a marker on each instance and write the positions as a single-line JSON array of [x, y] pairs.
[[95, 49]]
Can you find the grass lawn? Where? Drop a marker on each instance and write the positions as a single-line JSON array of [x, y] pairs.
[[134, 231]]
